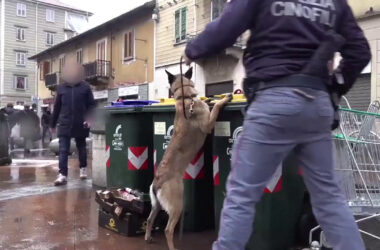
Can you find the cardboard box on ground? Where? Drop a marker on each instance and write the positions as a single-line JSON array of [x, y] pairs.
[[125, 211]]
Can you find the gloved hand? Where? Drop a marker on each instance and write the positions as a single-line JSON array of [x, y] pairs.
[[187, 60]]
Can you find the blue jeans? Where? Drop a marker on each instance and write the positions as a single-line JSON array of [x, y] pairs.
[[64, 151], [278, 122]]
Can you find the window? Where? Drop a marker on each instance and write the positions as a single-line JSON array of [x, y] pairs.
[[20, 58], [217, 7], [62, 61], [20, 34], [80, 56], [50, 15], [50, 38], [20, 82], [129, 45], [180, 25], [213, 89], [21, 9], [44, 69]]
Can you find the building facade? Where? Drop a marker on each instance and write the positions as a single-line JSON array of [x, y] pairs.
[[26, 28], [367, 87], [180, 20], [177, 23], [117, 57]]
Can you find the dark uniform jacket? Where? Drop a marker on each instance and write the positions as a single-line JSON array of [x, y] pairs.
[[72, 106], [46, 119], [29, 125], [284, 36]]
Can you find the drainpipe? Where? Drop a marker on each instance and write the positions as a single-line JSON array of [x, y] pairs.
[[146, 71], [2, 41], [36, 51]]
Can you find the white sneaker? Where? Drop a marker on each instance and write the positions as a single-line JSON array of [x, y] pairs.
[[61, 180], [83, 173]]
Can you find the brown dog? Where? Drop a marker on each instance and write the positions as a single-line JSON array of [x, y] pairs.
[[166, 191]]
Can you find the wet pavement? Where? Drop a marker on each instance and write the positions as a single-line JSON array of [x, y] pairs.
[[36, 215]]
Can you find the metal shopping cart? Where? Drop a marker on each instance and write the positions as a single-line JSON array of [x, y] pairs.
[[357, 148]]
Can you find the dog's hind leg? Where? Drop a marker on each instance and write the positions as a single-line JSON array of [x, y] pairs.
[[174, 216], [156, 208], [170, 197]]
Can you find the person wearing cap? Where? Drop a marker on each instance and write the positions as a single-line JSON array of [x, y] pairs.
[[290, 108]]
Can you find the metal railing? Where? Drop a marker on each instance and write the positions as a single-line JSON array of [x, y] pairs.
[[97, 69]]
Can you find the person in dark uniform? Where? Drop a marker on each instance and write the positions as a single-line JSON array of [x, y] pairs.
[[29, 128], [13, 118], [45, 123], [290, 109], [73, 105]]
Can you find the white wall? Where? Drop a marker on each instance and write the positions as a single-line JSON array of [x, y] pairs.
[[371, 28], [210, 72], [160, 87]]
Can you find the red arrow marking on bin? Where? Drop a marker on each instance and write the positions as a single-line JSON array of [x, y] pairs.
[[275, 184], [216, 170], [137, 158], [195, 170], [108, 156]]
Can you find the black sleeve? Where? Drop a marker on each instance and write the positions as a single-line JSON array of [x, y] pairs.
[[91, 104], [57, 110], [356, 52]]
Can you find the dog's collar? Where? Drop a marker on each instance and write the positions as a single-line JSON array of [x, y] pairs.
[[191, 97], [186, 85]]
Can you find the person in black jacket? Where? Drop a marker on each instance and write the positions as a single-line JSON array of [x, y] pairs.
[[73, 105], [290, 107]]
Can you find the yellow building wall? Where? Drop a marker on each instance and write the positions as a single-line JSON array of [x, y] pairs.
[[360, 7], [167, 52], [139, 70]]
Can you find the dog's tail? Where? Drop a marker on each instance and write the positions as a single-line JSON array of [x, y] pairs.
[[153, 196]]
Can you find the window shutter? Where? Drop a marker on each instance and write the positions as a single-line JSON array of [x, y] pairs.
[[177, 26], [42, 71], [130, 44], [183, 23], [126, 40]]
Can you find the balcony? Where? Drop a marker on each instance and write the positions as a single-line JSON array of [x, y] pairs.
[[52, 80], [97, 72]]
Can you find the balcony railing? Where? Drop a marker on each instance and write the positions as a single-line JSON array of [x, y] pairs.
[[52, 80], [97, 70]]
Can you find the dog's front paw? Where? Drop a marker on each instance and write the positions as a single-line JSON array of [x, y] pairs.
[[229, 97]]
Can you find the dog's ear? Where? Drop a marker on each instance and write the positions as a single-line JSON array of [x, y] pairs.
[[189, 73], [171, 77]]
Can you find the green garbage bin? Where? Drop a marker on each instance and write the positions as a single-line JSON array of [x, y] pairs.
[[278, 212], [129, 148], [198, 192]]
